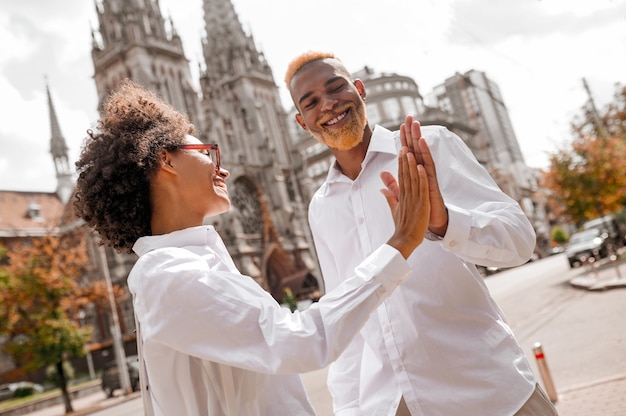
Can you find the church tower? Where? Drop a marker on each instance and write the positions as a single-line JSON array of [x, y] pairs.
[[134, 41], [266, 230], [59, 151]]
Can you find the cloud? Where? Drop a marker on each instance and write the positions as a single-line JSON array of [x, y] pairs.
[[42, 43], [24, 166], [488, 22]]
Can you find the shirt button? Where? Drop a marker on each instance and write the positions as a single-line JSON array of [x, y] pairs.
[[399, 368], [452, 243], [387, 329], [361, 220]]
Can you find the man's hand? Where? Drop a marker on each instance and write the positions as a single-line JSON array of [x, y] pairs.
[[409, 203], [411, 138]]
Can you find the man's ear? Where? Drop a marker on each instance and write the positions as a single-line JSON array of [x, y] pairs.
[[300, 121], [360, 87]]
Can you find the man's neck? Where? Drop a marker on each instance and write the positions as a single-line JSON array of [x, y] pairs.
[[350, 161]]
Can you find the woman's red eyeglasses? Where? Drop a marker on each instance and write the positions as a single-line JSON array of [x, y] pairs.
[[211, 150]]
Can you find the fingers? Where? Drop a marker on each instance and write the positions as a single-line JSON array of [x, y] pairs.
[[408, 177], [423, 183], [391, 198], [391, 185], [408, 173], [390, 182], [426, 157], [403, 135], [391, 190], [412, 207], [416, 137], [404, 130], [410, 134]]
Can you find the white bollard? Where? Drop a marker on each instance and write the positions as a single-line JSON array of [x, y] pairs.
[[545, 372]]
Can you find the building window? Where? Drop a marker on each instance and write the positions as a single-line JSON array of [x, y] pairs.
[[34, 212], [392, 109], [409, 106], [373, 115]]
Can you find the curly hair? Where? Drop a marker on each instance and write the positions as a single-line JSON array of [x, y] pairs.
[[301, 60], [118, 160]]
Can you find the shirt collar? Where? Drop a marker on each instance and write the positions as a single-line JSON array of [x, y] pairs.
[[194, 236], [382, 141]]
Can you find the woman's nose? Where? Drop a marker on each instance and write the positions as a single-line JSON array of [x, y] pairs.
[[223, 173]]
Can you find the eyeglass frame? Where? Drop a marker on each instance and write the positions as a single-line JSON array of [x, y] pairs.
[[204, 146]]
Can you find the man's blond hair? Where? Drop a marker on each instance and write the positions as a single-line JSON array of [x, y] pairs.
[[301, 60]]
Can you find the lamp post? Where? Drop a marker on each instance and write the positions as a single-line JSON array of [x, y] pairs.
[[92, 373], [120, 354]]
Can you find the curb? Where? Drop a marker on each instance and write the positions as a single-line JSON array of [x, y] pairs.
[[612, 379], [104, 405], [599, 277]]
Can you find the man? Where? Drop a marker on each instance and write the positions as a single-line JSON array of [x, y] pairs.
[[440, 345], [212, 341]]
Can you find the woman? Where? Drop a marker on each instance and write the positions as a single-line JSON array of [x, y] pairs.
[[212, 341]]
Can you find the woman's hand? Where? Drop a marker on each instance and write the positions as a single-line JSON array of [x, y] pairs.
[[408, 199]]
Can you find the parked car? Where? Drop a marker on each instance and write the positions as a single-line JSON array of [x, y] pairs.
[[586, 244], [111, 375], [610, 226], [6, 392], [19, 389]]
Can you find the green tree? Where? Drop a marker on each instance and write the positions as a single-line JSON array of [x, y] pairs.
[[290, 300], [39, 301], [588, 177], [559, 235]]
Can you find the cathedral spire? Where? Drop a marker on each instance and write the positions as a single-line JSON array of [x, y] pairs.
[[59, 151], [135, 41], [228, 50]]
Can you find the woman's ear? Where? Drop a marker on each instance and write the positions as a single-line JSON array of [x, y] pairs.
[[166, 160]]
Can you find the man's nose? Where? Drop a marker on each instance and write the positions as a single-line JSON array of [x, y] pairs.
[[328, 103]]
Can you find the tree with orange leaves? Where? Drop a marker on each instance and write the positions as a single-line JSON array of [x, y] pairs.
[[40, 297], [588, 179]]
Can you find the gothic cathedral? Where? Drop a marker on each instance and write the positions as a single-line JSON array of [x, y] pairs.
[[240, 109]]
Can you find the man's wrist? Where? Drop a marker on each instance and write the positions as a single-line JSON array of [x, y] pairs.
[[432, 236]]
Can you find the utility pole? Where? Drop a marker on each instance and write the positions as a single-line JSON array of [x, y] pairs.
[[594, 112], [118, 344]]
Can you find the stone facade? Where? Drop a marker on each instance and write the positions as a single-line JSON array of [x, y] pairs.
[[238, 108]]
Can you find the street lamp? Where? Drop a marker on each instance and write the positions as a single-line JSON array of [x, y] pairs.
[[120, 354], [92, 373]]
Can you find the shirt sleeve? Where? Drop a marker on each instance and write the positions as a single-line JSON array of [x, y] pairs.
[[485, 225], [228, 318]]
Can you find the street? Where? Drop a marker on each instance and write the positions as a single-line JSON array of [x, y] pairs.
[[582, 332]]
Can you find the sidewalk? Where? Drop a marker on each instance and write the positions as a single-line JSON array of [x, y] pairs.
[[602, 398], [85, 405], [603, 274]]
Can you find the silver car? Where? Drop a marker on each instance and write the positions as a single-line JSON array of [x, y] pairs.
[[587, 244]]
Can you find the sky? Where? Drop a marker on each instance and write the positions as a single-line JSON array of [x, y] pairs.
[[537, 51]]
